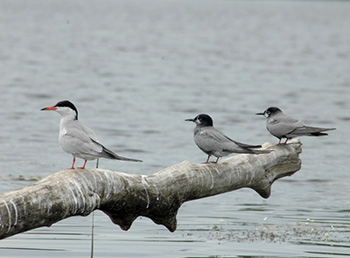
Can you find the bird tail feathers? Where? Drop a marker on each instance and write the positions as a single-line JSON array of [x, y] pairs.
[[111, 155], [108, 154], [260, 151], [312, 131], [246, 146]]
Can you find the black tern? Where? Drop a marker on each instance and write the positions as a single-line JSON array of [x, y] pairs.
[[79, 140], [283, 126], [214, 143]]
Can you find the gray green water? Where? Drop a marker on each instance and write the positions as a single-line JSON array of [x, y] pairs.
[[136, 70]]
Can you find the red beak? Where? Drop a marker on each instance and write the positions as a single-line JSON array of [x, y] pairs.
[[49, 108]]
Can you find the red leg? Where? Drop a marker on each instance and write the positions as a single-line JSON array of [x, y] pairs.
[[285, 141], [279, 143], [73, 163], [216, 161], [83, 167], [207, 160]]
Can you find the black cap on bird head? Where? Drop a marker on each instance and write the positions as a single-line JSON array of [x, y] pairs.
[[270, 111], [67, 103], [63, 104], [202, 120]]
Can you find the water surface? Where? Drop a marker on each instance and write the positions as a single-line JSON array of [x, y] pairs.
[[135, 71]]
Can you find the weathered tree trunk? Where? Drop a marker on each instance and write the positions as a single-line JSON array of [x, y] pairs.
[[124, 197]]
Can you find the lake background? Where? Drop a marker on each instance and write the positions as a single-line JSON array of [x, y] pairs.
[[136, 70]]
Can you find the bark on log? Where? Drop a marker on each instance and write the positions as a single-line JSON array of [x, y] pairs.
[[124, 197]]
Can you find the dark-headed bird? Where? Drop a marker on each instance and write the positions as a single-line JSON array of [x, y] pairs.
[[282, 126], [214, 143]]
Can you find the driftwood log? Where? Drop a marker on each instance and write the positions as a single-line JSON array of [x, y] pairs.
[[124, 197]]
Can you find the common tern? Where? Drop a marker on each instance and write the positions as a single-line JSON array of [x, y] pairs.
[[214, 143], [79, 140], [282, 126]]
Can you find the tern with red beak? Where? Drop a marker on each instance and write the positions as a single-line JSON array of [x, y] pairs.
[[79, 140]]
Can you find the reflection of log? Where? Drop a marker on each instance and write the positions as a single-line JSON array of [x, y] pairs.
[[124, 197]]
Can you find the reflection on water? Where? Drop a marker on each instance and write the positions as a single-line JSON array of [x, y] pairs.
[[136, 71]]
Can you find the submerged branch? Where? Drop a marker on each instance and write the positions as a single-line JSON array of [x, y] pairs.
[[124, 197]]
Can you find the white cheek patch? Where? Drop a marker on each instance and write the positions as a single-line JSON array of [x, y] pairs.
[[266, 114]]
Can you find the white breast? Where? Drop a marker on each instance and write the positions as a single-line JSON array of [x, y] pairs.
[[63, 129]]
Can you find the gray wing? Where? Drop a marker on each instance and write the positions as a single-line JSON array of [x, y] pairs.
[[309, 131], [79, 141], [89, 132], [281, 126], [82, 142], [212, 141]]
